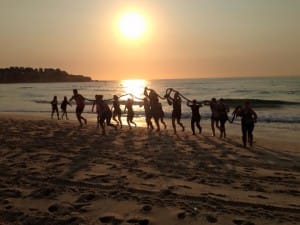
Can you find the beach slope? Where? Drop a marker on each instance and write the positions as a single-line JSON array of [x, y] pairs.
[[53, 172]]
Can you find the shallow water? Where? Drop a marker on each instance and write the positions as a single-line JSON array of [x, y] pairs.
[[276, 99]]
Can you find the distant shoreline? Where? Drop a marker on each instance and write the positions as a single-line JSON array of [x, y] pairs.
[[38, 75]]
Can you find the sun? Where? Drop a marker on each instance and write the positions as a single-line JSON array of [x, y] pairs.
[[132, 25]]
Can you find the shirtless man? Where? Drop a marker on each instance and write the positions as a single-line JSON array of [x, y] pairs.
[[116, 111], [195, 115], [130, 112], [104, 113], [176, 113], [249, 118], [214, 119], [79, 99]]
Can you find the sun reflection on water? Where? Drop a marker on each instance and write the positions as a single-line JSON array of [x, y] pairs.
[[134, 87]]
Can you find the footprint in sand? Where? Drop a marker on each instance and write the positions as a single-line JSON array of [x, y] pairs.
[[86, 198], [181, 215], [60, 209], [9, 207], [4, 201], [112, 219], [257, 196], [10, 193], [211, 219], [138, 221], [49, 193], [146, 208], [242, 222]]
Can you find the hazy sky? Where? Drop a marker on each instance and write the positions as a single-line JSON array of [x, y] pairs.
[[184, 38]]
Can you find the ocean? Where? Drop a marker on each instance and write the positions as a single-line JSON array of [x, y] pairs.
[[275, 99]]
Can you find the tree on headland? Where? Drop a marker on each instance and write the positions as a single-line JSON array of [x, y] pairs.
[[35, 75]]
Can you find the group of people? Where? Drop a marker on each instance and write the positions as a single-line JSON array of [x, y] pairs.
[[153, 110], [63, 107]]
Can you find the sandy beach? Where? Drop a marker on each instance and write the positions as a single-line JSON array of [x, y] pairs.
[[53, 172]]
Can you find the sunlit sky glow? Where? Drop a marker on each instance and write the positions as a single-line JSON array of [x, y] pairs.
[[175, 38], [132, 25]]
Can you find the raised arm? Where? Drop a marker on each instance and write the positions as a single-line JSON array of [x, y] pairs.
[[146, 92], [168, 91]]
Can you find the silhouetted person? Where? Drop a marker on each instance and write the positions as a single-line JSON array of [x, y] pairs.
[[176, 113], [158, 114], [79, 99], [153, 100], [148, 114], [161, 114], [117, 110], [195, 115], [96, 103], [104, 113], [222, 111], [249, 117], [152, 95], [214, 118], [54, 107], [63, 107], [130, 113]]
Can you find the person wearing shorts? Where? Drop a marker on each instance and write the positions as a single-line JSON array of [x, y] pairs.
[[80, 103]]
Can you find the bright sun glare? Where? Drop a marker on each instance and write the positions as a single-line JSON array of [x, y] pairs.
[[135, 87], [132, 25]]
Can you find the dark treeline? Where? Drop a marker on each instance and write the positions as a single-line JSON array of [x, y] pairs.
[[36, 75]]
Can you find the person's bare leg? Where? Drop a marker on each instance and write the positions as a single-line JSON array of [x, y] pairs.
[[212, 122], [217, 124], [221, 131], [79, 119], [128, 122], [157, 124], [163, 122], [57, 113], [84, 119], [115, 119], [120, 121], [108, 123], [133, 123], [199, 127], [193, 127], [149, 123], [103, 128], [173, 125], [180, 124]]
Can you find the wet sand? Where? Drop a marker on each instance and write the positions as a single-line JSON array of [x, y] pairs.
[[53, 172]]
